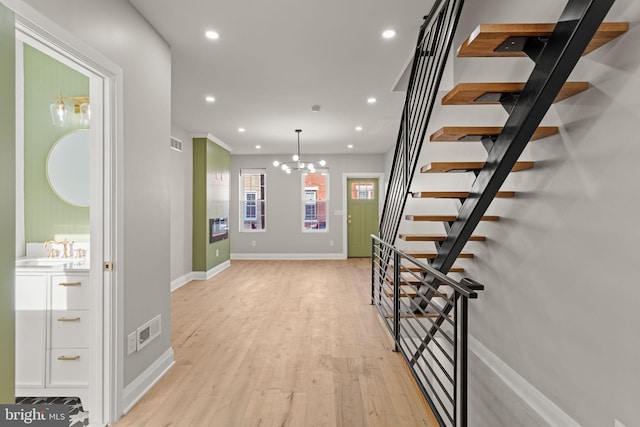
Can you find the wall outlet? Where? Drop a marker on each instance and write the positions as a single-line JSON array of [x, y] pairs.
[[131, 343], [148, 332], [217, 252], [331, 243], [253, 243]]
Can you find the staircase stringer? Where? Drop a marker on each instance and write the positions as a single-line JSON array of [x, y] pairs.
[[574, 30]]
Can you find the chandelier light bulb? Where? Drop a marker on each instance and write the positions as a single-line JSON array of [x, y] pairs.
[[276, 163], [322, 163], [288, 171], [295, 157]]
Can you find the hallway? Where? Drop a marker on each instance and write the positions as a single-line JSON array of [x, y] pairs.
[[281, 343]]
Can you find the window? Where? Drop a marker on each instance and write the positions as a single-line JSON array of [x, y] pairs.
[[362, 191], [250, 206], [315, 201], [252, 200]]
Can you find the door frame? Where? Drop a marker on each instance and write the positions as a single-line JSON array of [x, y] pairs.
[[106, 89], [382, 187]]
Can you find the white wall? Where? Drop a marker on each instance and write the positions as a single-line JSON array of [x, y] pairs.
[[283, 198], [181, 193], [116, 30], [559, 268]]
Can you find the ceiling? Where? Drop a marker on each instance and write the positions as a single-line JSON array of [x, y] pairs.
[[275, 59]]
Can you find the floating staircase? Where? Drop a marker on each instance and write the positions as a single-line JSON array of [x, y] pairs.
[[555, 49]]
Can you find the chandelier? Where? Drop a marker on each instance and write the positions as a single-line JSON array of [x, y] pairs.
[[297, 164]]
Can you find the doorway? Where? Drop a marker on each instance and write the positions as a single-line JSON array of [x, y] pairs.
[[362, 215], [103, 388]]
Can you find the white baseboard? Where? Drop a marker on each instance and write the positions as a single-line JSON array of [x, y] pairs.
[[202, 275], [538, 402], [142, 384], [182, 280], [289, 257]]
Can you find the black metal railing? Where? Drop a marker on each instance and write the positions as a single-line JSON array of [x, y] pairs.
[[410, 297], [429, 60]]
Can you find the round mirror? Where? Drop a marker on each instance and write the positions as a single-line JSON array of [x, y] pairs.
[[68, 168]]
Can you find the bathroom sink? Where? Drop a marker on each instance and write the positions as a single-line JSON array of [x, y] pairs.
[[51, 263]]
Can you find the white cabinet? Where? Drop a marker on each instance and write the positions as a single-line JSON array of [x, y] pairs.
[[31, 327], [53, 326]]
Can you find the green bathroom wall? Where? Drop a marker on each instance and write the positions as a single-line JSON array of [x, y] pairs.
[[8, 206], [46, 215], [211, 197]]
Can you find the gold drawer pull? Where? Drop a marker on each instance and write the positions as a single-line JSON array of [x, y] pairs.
[[70, 284], [68, 357], [68, 319]]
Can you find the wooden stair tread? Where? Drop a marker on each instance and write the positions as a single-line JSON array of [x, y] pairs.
[[468, 93], [484, 40], [435, 167], [406, 291], [446, 218], [455, 194], [434, 238], [433, 255], [417, 316], [454, 269], [475, 133]]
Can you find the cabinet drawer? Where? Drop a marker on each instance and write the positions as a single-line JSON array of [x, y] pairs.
[[70, 292], [69, 367], [70, 328]]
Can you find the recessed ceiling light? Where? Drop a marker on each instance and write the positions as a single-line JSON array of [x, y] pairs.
[[388, 34], [358, 128], [350, 146], [209, 98], [212, 35], [371, 100], [258, 147], [241, 130]]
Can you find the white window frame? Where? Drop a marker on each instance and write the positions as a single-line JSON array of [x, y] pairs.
[[254, 205], [243, 200], [305, 202]]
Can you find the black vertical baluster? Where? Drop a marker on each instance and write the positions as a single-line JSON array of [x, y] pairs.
[[396, 299]]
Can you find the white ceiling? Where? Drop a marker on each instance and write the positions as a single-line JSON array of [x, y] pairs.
[[275, 59]]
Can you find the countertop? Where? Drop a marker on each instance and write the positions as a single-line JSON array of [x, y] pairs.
[[45, 265]]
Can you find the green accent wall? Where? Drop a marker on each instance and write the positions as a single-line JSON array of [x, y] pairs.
[[211, 197], [46, 215], [8, 205]]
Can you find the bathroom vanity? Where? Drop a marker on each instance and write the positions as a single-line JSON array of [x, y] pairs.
[[53, 325]]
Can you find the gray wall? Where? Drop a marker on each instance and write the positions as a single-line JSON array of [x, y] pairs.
[[8, 206], [119, 32], [561, 298], [283, 198], [181, 193]]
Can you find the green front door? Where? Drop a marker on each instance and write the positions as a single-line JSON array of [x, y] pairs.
[[362, 215]]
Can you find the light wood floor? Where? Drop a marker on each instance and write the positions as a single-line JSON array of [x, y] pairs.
[[281, 343]]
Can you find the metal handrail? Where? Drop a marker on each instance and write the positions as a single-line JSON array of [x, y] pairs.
[[463, 290], [432, 49], [435, 350]]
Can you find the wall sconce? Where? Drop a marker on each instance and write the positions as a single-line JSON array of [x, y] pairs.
[[60, 108]]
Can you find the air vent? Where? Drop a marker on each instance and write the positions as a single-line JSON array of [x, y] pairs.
[[176, 144]]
